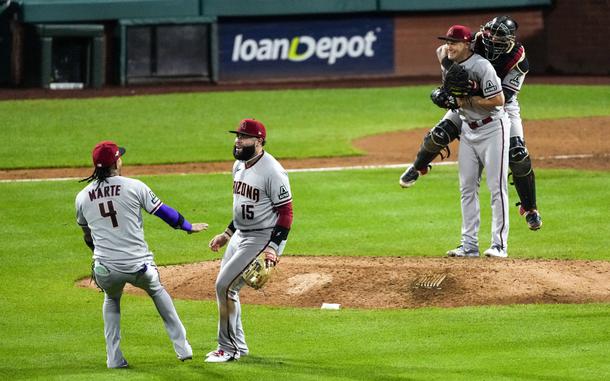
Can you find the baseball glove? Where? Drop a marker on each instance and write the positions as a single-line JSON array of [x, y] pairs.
[[443, 99], [258, 272], [456, 82]]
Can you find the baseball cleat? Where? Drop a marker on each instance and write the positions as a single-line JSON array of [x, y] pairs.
[[183, 359], [533, 219], [409, 177], [460, 252], [242, 353], [220, 356], [496, 251], [122, 364]]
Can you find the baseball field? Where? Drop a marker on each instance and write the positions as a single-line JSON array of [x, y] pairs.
[[358, 239]]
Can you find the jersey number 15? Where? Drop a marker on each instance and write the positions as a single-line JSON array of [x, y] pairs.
[[246, 212]]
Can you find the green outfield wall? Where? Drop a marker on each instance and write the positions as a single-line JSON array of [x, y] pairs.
[[272, 40]]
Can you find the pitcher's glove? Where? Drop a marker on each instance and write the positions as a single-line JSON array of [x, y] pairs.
[[456, 82], [443, 99], [260, 270]]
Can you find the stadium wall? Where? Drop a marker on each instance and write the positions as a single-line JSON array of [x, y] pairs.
[[561, 37]]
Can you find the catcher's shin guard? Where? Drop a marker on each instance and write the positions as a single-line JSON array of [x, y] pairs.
[[526, 189], [523, 175], [435, 141]]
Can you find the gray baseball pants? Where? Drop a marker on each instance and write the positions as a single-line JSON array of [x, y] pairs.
[[487, 148], [241, 251], [113, 282]]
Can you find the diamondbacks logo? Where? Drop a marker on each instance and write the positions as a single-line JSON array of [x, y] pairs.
[[516, 80], [490, 86], [153, 197], [283, 193]]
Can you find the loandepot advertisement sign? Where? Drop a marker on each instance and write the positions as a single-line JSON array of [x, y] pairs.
[[301, 49]]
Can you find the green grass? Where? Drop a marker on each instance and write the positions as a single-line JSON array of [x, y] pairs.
[[192, 127], [52, 330]]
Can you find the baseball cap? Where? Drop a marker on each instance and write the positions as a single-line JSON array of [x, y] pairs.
[[106, 153], [251, 127], [458, 33]]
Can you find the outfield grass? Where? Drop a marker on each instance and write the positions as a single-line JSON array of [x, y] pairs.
[[52, 330], [192, 127]]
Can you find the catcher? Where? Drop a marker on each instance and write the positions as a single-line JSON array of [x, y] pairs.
[[262, 217], [496, 42]]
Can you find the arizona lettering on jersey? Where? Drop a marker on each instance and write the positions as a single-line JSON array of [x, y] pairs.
[[257, 191], [246, 190]]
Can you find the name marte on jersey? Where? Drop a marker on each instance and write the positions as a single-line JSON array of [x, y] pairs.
[[246, 190], [107, 191]]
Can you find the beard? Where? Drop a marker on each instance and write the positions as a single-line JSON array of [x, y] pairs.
[[245, 154]]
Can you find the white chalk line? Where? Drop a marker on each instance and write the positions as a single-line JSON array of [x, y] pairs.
[[324, 169]]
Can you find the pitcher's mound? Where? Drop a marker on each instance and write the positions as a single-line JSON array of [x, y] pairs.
[[396, 282]]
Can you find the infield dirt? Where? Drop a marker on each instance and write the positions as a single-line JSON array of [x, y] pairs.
[[390, 282]]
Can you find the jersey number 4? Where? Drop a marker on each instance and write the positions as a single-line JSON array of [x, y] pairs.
[[110, 213]]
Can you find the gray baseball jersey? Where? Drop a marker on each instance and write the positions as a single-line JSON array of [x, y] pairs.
[[113, 212], [257, 191], [483, 73]]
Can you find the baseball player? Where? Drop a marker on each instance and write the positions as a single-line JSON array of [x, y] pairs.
[[262, 217], [109, 210], [496, 42], [484, 141]]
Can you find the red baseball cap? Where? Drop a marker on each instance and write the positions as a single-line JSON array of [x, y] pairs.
[[458, 33], [106, 153], [251, 127]]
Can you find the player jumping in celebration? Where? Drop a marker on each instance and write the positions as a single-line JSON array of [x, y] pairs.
[[483, 127], [496, 42], [262, 217], [109, 210]]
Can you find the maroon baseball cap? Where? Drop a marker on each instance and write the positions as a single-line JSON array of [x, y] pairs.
[[251, 127], [106, 153], [458, 33]]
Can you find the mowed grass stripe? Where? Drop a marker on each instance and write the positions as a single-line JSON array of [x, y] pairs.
[[177, 128]]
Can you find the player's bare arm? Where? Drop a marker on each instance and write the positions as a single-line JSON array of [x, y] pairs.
[[198, 227], [87, 237], [218, 241], [487, 103], [271, 257], [221, 239]]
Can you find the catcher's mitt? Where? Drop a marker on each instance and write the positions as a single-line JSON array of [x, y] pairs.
[[258, 272], [443, 99], [456, 82]]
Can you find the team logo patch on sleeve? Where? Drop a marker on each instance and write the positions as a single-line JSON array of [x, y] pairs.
[[516, 80], [490, 87], [153, 197], [283, 193]]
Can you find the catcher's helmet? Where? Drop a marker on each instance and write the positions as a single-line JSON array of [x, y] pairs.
[[498, 36]]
